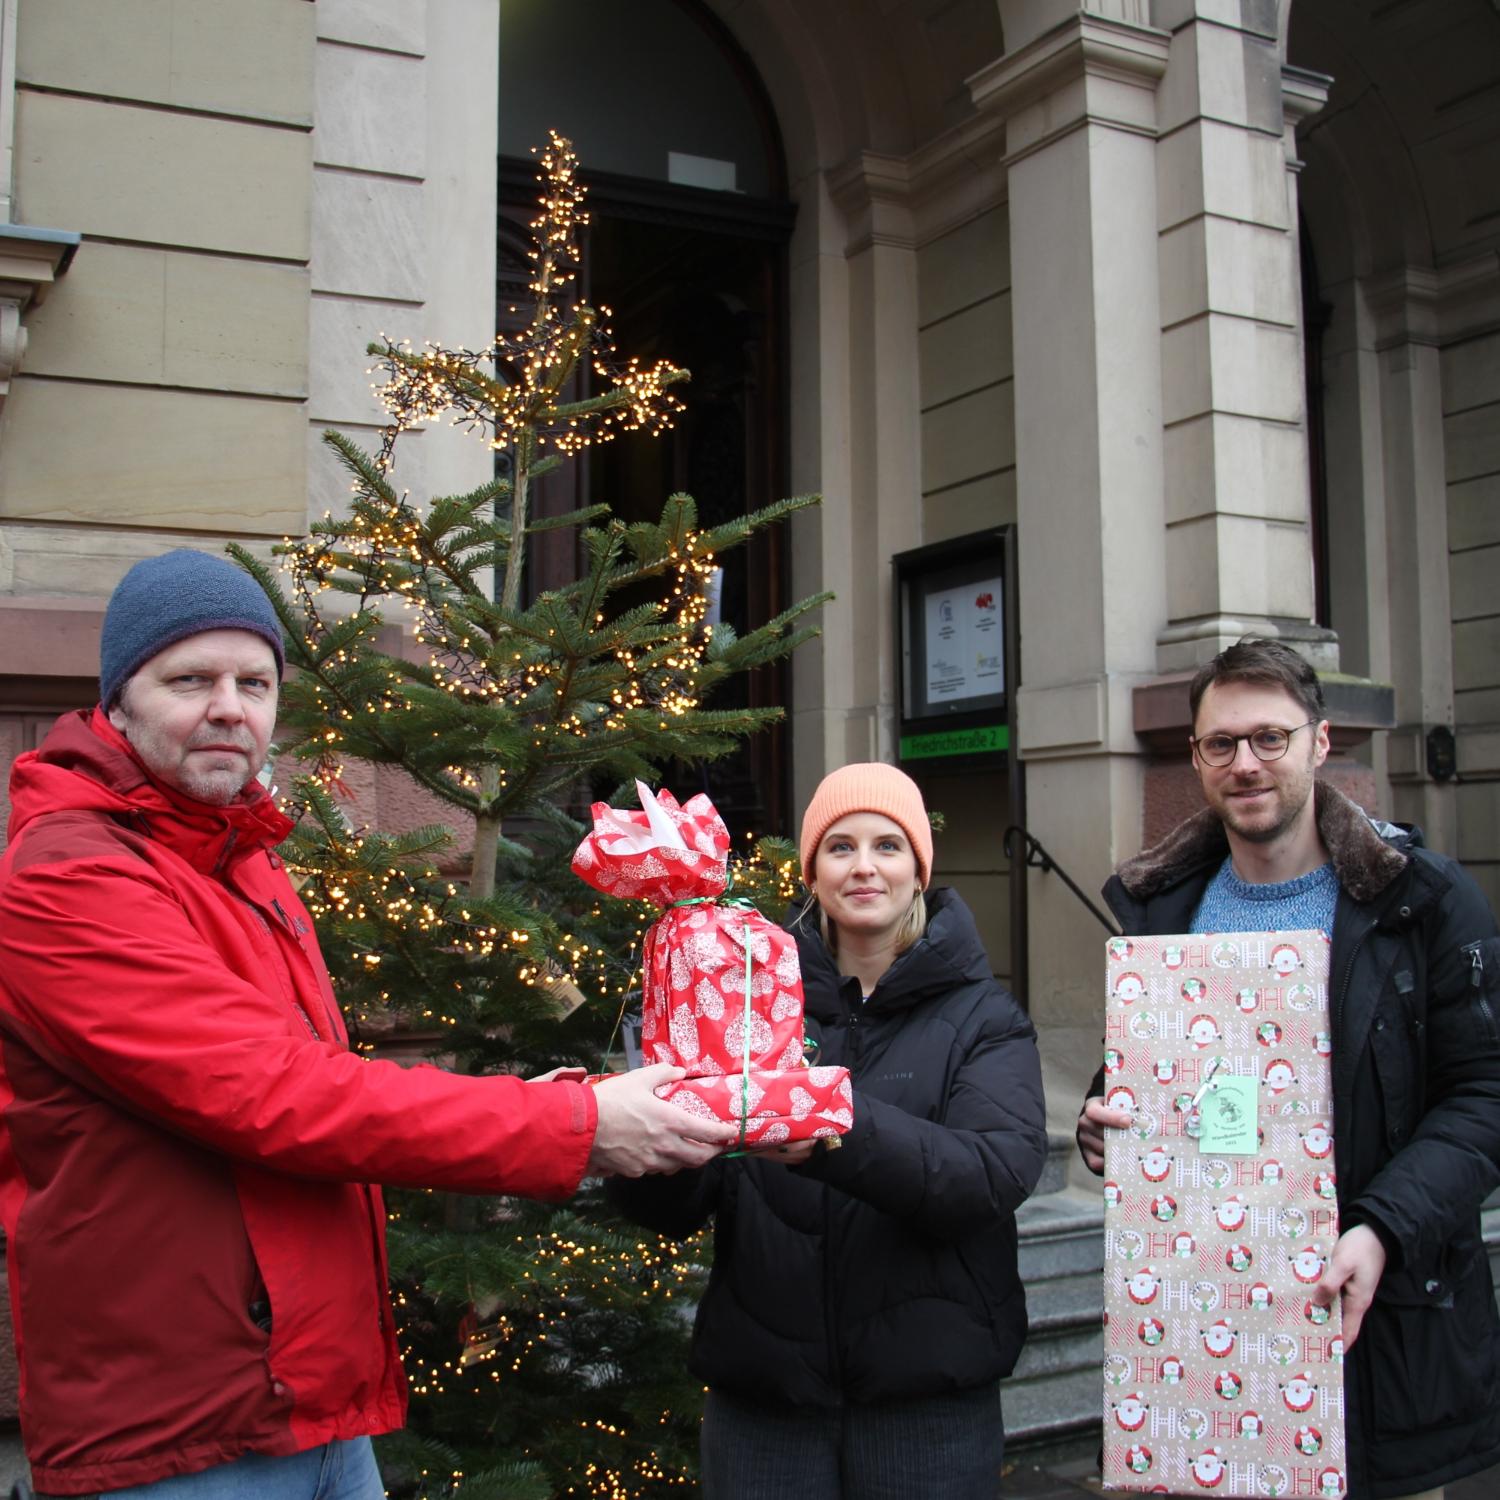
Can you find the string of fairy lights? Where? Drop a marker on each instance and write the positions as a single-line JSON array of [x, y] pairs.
[[541, 391], [512, 394], [388, 548], [501, 1348], [398, 900]]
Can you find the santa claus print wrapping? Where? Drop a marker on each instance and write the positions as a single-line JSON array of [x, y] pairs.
[[1222, 1375], [722, 989]]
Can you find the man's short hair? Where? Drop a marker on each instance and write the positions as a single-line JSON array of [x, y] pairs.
[[1266, 664]]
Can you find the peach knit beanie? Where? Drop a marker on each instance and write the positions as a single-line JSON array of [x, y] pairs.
[[868, 786]]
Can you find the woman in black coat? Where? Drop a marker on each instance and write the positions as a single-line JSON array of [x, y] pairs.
[[864, 1300]]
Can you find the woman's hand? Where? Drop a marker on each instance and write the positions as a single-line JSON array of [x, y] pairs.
[[791, 1155], [561, 1075]]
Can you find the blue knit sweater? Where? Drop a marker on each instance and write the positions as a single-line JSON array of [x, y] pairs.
[[1230, 904]]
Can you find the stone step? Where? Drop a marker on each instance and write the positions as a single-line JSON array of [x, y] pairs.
[[1038, 1412], [1060, 1151], [1056, 1387], [1060, 1301], [1055, 1390], [1068, 1343], [1061, 1233]]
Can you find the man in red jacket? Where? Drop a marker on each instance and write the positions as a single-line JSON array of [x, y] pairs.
[[196, 1254]]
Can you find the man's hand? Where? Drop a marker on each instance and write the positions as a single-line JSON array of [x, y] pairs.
[[639, 1133], [1354, 1269], [1096, 1115]]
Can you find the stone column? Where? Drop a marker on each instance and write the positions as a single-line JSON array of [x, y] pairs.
[[872, 508], [1079, 100], [1238, 546], [459, 207], [7, 107], [1416, 620]]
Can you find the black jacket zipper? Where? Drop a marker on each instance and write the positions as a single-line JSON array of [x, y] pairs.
[[830, 1258], [1476, 983]]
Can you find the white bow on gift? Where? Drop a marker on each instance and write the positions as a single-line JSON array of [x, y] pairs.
[[627, 837]]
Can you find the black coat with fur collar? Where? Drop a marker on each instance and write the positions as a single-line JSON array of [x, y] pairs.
[[887, 1269], [1415, 1002]]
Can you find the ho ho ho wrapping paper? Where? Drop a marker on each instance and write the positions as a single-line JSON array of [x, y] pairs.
[[1221, 1374]]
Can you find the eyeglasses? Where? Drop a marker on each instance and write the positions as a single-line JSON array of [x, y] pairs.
[[1268, 743]]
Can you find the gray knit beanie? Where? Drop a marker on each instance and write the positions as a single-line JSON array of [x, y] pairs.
[[165, 599]]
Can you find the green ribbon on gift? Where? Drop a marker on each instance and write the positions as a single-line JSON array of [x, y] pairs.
[[725, 899]]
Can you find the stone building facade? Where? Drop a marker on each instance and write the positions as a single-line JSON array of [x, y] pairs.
[[1202, 296]]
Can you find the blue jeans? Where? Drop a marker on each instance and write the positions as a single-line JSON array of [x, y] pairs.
[[939, 1447], [336, 1471]]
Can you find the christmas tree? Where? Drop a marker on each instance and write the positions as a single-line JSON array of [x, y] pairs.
[[546, 1347]]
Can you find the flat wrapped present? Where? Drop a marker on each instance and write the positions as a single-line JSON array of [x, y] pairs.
[[721, 985], [1221, 1374], [792, 1104]]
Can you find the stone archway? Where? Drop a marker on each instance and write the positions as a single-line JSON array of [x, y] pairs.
[[1398, 196], [885, 155]]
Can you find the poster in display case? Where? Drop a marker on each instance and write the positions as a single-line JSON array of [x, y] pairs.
[[956, 635]]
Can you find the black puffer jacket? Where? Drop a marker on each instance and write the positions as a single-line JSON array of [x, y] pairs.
[[885, 1269], [1415, 1001]]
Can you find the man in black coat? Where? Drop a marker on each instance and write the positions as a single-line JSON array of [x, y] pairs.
[[1415, 1017]]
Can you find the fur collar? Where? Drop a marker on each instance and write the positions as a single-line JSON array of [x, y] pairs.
[[1363, 861]]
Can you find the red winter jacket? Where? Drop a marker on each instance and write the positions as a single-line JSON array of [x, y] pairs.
[[188, 1138]]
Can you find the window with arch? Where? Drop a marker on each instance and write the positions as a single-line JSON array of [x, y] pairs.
[[680, 150]]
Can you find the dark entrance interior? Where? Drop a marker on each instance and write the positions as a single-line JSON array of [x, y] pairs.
[[697, 277], [679, 148]]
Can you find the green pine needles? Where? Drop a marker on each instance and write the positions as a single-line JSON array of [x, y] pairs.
[[546, 1347]]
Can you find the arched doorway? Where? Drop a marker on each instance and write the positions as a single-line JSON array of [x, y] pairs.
[[687, 246], [1400, 198]]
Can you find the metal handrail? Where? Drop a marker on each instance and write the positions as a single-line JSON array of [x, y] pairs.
[[1037, 858]]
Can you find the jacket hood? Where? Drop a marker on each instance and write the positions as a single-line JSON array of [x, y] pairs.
[[1367, 854], [86, 765], [948, 954]]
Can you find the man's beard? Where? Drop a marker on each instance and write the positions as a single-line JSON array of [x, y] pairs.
[[1291, 798], [218, 786], [1264, 833]]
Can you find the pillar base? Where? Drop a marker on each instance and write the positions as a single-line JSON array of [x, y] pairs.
[[1183, 647]]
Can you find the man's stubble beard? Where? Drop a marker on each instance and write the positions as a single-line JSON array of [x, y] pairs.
[[1268, 833], [217, 788]]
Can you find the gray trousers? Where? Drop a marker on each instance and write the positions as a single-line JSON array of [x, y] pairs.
[[936, 1448]]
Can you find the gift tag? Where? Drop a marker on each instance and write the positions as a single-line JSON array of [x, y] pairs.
[[1229, 1110]]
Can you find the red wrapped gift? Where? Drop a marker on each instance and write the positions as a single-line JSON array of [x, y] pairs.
[[792, 1104], [722, 987]]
